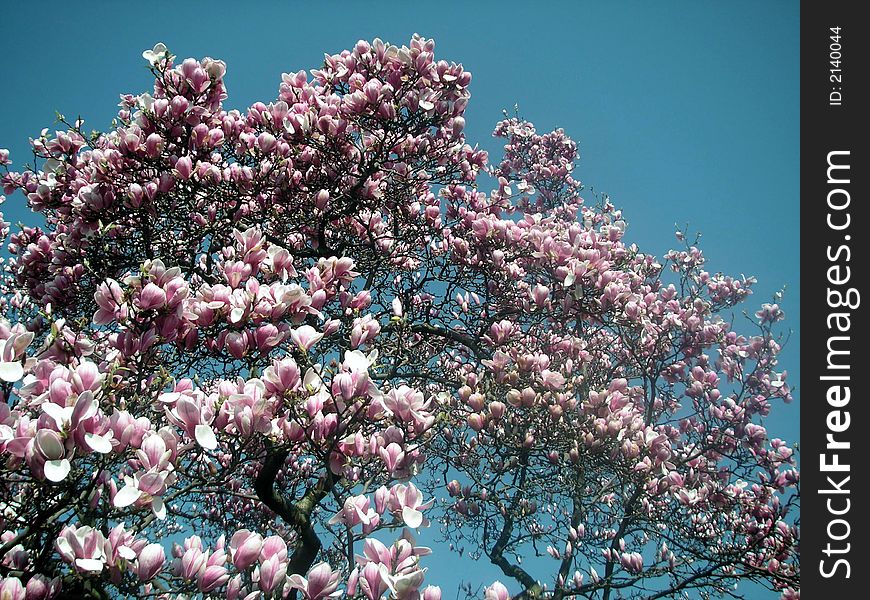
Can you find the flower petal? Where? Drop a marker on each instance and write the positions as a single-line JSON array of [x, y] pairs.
[[60, 414], [11, 371], [158, 507], [205, 437], [126, 496], [90, 564], [56, 470], [412, 517], [98, 443]]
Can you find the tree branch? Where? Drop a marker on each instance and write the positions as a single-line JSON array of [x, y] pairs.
[[296, 514]]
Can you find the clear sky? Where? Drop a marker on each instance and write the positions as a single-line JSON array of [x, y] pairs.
[[685, 112]]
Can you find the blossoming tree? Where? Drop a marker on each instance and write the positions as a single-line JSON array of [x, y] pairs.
[[245, 354]]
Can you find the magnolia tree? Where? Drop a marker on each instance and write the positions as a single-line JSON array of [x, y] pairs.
[[246, 354]]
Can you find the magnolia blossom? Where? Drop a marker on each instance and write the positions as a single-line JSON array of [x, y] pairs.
[[84, 547], [245, 548], [150, 561], [356, 510], [408, 500], [317, 307], [11, 351], [305, 337], [320, 582], [496, 591], [157, 53]]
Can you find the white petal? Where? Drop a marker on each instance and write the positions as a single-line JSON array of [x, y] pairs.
[[312, 380], [90, 564], [60, 414], [126, 496], [11, 371], [65, 548], [56, 470], [205, 437], [356, 362], [412, 517], [127, 552], [146, 101], [99, 443], [406, 582], [159, 507]]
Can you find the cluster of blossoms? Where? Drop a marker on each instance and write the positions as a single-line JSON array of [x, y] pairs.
[[289, 327]]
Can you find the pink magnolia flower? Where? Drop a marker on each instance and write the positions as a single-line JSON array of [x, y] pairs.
[[496, 591], [184, 166], [157, 54], [194, 414], [49, 455], [392, 456], [376, 551], [408, 404], [356, 510], [83, 547], [150, 561], [151, 297], [369, 581], [364, 330], [432, 592], [83, 419], [320, 582], [403, 585], [146, 487], [281, 376], [407, 500], [245, 548], [305, 337], [40, 587], [11, 351], [190, 559], [11, 588], [251, 409], [273, 563], [552, 379], [212, 577], [540, 294]]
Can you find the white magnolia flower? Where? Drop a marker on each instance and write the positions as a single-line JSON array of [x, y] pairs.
[[157, 53]]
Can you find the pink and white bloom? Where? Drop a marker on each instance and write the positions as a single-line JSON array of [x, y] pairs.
[[357, 510], [150, 561], [83, 547], [496, 591], [305, 337], [320, 582], [245, 548], [407, 500], [11, 352]]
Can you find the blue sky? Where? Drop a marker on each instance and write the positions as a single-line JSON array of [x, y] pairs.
[[685, 112]]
